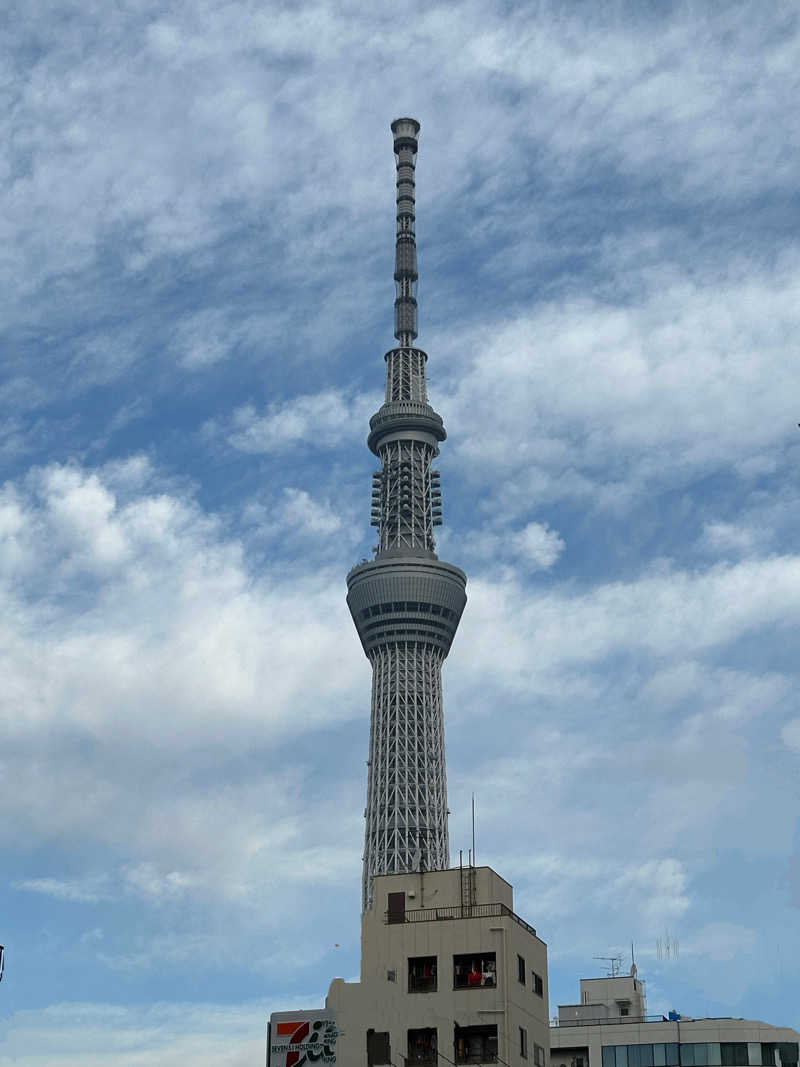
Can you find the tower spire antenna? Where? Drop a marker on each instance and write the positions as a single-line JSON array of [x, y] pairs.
[[406, 132], [406, 603]]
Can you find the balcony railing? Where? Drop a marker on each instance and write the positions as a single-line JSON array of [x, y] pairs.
[[466, 911], [421, 984]]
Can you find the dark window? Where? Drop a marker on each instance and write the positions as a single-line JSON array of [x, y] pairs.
[[422, 974], [687, 1055], [634, 1056], [523, 1043], [538, 1055], [521, 969], [609, 1059], [397, 908], [475, 1044], [538, 984], [732, 1053], [646, 1055], [671, 1053], [473, 970], [378, 1050], [779, 1053], [422, 1048]]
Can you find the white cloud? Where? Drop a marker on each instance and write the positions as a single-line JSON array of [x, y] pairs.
[[662, 614], [317, 420], [582, 399], [538, 545], [144, 878], [174, 647], [84, 891], [159, 1035]]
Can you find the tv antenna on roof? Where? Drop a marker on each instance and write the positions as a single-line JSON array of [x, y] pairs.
[[667, 947], [614, 962]]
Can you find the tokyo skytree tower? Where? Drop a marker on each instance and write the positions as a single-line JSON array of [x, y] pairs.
[[406, 603]]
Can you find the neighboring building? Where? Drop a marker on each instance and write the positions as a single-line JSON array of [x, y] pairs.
[[449, 974], [610, 1027], [447, 970]]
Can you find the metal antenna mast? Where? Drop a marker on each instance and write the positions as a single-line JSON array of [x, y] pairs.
[[406, 604]]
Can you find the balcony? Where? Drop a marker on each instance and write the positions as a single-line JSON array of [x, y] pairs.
[[476, 1044], [466, 911]]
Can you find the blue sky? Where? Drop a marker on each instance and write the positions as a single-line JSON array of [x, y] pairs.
[[197, 253]]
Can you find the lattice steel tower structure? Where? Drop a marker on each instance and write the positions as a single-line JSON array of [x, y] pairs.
[[406, 603]]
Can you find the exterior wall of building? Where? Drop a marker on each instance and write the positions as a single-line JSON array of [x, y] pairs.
[[443, 920], [582, 1045], [604, 999]]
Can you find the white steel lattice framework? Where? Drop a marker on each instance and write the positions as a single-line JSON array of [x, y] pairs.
[[407, 603]]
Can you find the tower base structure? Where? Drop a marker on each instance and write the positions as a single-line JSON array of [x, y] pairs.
[[449, 974]]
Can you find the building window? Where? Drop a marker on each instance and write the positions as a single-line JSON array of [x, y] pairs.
[[779, 1053], [521, 969], [422, 1049], [660, 1055], [523, 1043], [473, 970], [732, 1053], [396, 912], [422, 974], [378, 1049], [538, 1055], [538, 984], [475, 1044]]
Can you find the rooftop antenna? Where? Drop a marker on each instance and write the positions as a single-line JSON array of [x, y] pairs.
[[634, 968], [614, 962], [667, 947], [473, 829]]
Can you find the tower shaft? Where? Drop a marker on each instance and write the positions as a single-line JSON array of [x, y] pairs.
[[407, 603]]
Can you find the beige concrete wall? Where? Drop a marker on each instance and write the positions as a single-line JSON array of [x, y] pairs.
[[381, 1000]]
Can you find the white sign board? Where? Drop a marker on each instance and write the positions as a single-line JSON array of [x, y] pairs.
[[301, 1039]]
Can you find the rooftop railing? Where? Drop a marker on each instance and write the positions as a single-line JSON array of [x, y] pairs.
[[616, 1020], [465, 911]]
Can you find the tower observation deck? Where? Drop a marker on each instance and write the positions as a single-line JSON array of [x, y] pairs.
[[406, 603]]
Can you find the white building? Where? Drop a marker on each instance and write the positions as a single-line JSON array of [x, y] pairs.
[[610, 1027], [449, 974]]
